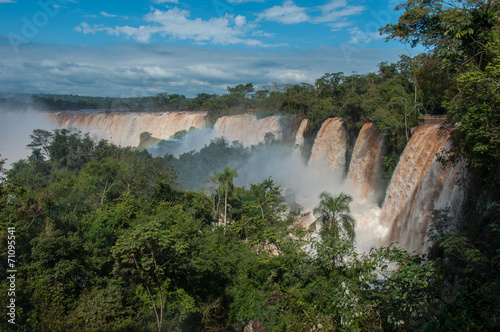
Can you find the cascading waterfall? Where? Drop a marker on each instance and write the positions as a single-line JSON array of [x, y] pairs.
[[419, 184], [330, 147], [247, 128], [299, 137], [124, 128], [365, 170]]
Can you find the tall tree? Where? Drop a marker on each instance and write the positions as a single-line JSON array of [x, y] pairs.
[[334, 214], [225, 180]]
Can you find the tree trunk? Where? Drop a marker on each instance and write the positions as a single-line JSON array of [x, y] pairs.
[[225, 206]]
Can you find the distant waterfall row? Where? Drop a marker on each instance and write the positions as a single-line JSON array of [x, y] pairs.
[[124, 128], [419, 184]]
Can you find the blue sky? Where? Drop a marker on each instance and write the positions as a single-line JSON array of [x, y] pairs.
[[136, 48]]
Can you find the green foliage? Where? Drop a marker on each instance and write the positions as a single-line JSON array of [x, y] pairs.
[[334, 214], [105, 240], [195, 168], [161, 102], [468, 267], [145, 254], [111, 244], [405, 292], [225, 190]]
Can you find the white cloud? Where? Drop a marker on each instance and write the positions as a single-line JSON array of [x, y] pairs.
[[113, 15], [244, 1], [108, 15], [289, 13], [360, 38], [8, 1], [339, 25], [175, 23], [209, 71], [165, 1], [86, 28], [240, 21], [294, 76], [336, 10]]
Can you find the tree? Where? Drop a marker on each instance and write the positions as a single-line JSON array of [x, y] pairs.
[[458, 30], [225, 180], [145, 254], [40, 143], [334, 214], [261, 212], [242, 89], [2, 168]]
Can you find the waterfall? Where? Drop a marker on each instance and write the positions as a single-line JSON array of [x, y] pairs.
[[247, 128], [299, 137], [365, 170], [419, 184], [124, 128], [330, 147]]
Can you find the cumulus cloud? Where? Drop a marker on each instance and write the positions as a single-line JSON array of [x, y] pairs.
[[176, 23], [289, 13], [8, 1]]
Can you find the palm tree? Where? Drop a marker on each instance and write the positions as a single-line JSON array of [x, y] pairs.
[[335, 216], [225, 180]]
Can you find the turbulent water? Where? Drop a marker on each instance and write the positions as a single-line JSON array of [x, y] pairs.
[[247, 128], [365, 170], [299, 136], [419, 184], [124, 129], [330, 147]]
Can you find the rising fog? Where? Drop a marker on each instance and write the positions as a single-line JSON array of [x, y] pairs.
[[16, 126], [301, 183]]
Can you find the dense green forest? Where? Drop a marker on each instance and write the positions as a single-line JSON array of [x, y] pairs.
[[113, 239]]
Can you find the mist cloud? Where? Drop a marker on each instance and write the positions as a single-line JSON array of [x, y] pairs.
[[15, 128]]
